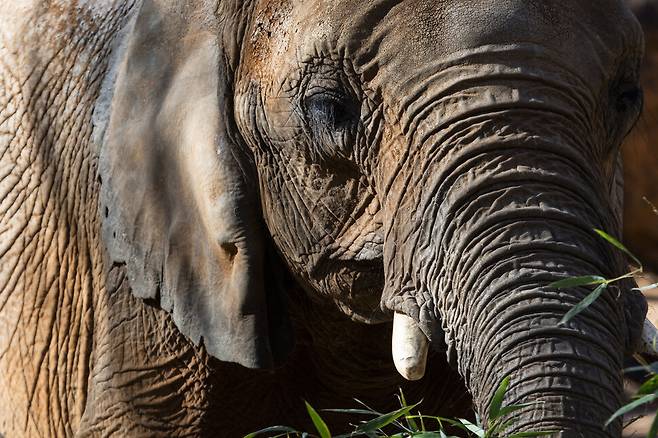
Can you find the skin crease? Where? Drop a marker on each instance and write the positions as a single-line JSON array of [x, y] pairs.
[[82, 356]]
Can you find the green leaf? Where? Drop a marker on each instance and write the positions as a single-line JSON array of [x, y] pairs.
[[351, 411], [584, 304], [496, 428], [319, 423], [477, 430], [453, 423], [649, 398], [422, 424], [384, 420], [410, 421], [646, 288], [653, 431], [505, 411], [497, 400], [403, 401], [617, 244], [367, 407], [272, 429], [586, 280], [649, 386]]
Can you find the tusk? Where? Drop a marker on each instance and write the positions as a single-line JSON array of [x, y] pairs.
[[649, 339], [409, 347]]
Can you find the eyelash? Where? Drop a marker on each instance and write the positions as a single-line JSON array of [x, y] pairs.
[[331, 125], [330, 111]]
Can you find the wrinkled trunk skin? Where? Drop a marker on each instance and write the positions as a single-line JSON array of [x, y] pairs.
[[508, 188], [512, 239]]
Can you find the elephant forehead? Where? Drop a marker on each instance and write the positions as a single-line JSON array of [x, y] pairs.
[[268, 35], [397, 38], [421, 34]]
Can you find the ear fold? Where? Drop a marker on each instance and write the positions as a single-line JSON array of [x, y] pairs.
[[176, 205]]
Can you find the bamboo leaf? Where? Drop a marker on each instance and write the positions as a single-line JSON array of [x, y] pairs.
[[351, 411], [384, 420], [497, 400], [649, 398], [477, 430], [646, 288], [318, 422], [649, 387], [512, 408], [272, 429], [367, 407], [453, 423], [586, 280], [617, 244], [584, 304], [410, 421], [496, 428]]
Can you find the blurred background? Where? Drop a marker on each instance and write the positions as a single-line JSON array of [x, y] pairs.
[[641, 188]]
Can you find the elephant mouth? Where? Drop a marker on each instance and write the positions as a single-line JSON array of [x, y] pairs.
[[359, 285], [362, 286]]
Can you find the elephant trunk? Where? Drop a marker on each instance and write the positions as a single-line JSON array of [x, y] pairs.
[[508, 200], [505, 322]]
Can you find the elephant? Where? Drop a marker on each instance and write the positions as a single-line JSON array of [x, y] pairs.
[[212, 210]]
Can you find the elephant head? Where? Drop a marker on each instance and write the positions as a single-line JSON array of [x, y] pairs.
[[437, 164]]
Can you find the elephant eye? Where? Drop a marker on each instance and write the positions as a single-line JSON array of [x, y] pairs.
[[627, 100], [329, 112], [332, 120]]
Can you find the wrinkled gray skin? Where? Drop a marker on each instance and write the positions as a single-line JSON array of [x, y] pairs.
[[162, 163]]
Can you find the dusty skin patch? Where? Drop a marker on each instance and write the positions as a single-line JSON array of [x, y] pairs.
[[269, 35]]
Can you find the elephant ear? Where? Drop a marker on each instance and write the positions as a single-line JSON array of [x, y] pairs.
[[178, 208]]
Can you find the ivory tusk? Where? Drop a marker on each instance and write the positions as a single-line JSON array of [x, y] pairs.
[[409, 347], [649, 342]]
